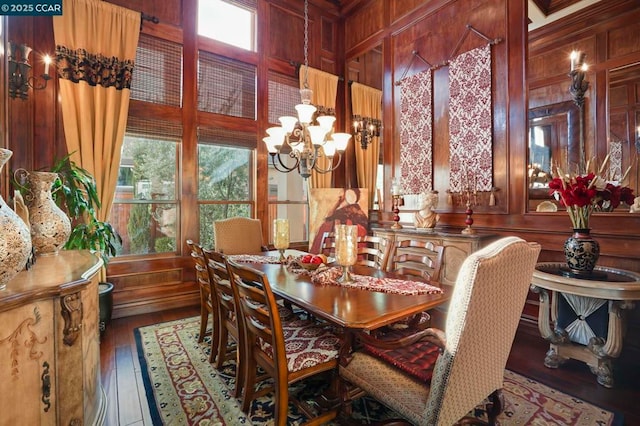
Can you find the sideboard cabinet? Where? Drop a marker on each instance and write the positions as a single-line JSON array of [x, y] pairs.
[[456, 246], [50, 343]]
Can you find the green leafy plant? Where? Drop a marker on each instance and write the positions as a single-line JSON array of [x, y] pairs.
[[77, 194]]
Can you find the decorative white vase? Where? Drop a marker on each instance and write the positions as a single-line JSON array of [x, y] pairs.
[[50, 226], [15, 240]]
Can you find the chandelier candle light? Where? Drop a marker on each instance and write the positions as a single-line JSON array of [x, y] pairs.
[[301, 139], [281, 236]]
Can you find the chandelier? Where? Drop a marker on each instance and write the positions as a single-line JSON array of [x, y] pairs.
[[302, 138]]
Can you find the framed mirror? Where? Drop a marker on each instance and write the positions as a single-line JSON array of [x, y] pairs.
[[553, 141]]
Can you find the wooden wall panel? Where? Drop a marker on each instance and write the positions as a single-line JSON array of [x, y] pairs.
[[365, 22], [286, 24], [167, 11]]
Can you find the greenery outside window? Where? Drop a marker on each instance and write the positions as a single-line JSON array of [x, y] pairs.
[[225, 170], [146, 210]]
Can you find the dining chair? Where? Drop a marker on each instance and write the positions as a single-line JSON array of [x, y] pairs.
[[436, 377], [373, 251], [238, 235], [207, 305], [288, 350], [422, 259], [227, 321]]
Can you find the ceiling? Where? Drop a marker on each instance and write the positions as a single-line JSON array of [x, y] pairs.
[[542, 12]]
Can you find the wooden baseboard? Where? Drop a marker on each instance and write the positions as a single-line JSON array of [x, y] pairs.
[[156, 305]]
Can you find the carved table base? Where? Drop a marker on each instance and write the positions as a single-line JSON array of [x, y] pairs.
[[599, 352]]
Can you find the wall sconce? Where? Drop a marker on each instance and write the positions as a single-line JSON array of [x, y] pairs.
[[364, 130], [578, 88], [638, 139], [19, 69]]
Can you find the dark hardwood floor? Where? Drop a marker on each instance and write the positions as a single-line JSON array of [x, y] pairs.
[[127, 404]]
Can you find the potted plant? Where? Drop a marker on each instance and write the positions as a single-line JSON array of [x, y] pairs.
[[76, 193]]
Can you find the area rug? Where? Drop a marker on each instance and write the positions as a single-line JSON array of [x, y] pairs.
[[183, 388]]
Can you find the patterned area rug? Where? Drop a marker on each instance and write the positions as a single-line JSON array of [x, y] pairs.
[[184, 389]]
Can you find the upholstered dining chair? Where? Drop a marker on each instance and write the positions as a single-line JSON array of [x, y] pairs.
[[238, 235], [207, 305], [435, 377], [228, 326], [288, 350], [373, 251]]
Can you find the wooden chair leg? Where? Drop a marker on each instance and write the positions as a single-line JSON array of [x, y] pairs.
[[215, 332], [248, 388], [223, 341], [204, 318], [495, 407]]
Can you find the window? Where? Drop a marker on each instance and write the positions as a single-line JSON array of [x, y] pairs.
[[157, 77], [229, 21], [226, 86], [225, 173], [145, 211]]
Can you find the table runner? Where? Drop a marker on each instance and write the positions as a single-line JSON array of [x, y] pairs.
[[330, 275], [254, 258]]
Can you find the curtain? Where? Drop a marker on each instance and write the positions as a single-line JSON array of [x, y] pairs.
[[95, 51], [325, 87], [366, 102]]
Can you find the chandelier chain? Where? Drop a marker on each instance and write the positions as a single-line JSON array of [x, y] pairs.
[[306, 44]]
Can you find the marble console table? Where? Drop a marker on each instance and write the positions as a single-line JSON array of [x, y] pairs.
[[617, 288]]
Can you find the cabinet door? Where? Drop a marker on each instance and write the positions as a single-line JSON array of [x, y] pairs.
[[27, 366]]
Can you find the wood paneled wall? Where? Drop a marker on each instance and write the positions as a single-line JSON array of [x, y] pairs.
[[433, 28]]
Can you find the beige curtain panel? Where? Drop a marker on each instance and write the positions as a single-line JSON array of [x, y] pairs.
[[367, 102], [325, 88], [95, 51]]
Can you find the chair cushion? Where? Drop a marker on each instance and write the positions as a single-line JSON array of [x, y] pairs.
[[416, 360], [307, 344]]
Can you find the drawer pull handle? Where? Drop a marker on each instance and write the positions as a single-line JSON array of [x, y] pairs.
[[46, 386]]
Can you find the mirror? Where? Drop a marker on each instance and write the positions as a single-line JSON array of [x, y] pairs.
[[611, 115], [553, 140]]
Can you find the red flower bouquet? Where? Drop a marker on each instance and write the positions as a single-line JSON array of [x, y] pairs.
[[582, 195]]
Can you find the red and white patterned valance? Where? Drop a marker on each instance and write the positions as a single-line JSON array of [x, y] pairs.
[[416, 136], [470, 121]]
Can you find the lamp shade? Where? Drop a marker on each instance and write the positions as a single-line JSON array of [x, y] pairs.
[[305, 113], [341, 140]]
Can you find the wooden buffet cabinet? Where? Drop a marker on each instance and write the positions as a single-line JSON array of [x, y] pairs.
[[50, 343], [456, 246]]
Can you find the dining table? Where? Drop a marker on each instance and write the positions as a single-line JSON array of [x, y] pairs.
[[349, 308]]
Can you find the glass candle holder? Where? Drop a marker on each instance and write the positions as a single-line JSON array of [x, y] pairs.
[[346, 240], [281, 235]]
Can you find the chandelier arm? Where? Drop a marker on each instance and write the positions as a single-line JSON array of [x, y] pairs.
[[331, 168], [282, 168]]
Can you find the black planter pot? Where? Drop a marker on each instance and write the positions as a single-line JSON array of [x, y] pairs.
[[105, 298]]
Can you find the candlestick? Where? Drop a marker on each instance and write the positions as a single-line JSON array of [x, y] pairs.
[[281, 236], [396, 211], [469, 220]]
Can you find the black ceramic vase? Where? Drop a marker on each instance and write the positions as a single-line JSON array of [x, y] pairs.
[[581, 252]]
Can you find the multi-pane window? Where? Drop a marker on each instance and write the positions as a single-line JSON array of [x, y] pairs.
[[229, 21], [157, 76], [145, 211], [225, 170], [226, 86]]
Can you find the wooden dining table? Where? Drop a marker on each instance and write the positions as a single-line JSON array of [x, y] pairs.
[[349, 308]]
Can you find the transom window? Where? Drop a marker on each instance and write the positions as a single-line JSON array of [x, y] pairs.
[[229, 21]]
